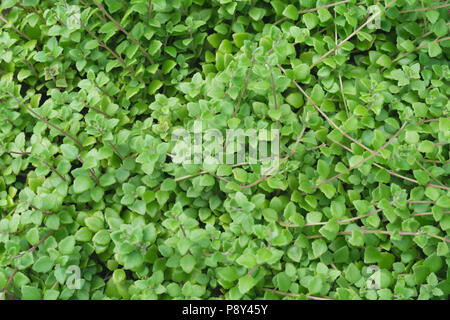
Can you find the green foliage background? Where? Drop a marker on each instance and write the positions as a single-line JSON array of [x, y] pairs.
[[88, 103]]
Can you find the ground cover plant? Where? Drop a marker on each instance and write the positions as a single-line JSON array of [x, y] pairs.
[[93, 206]]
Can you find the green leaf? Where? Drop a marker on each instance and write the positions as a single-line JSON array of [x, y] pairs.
[[240, 175], [283, 281], [155, 45], [330, 230], [323, 168], [440, 28], [432, 15], [263, 255], [67, 245], [443, 202], [246, 283], [341, 255], [44, 264], [270, 215], [168, 185], [32, 236], [31, 293], [328, 190], [82, 183], [102, 237], [224, 170], [319, 247], [207, 181], [228, 274], [256, 13], [371, 255], [324, 15], [187, 263], [434, 49], [301, 72], [8, 4], [291, 12], [53, 222], [317, 94], [426, 146], [91, 44], [384, 61], [40, 56], [107, 179], [69, 151], [315, 285], [247, 261], [356, 238], [412, 137], [337, 209], [310, 20], [352, 273], [133, 260]]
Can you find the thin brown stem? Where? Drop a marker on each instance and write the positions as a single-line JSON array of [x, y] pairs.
[[184, 235], [341, 86], [112, 145], [103, 44], [18, 152], [311, 224], [369, 20], [410, 179], [53, 169], [129, 36], [429, 173], [315, 9], [430, 120], [150, 9], [2, 18], [373, 154], [249, 73], [426, 213], [86, 5], [403, 233], [239, 100], [91, 172], [36, 245], [295, 295], [30, 110], [189, 176], [30, 66], [316, 147], [390, 171], [417, 48], [68, 135], [264, 177], [445, 5], [47, 213], [325, 115], [274, 92], [8, 283], [425, 35], [219, 177], [98, 111]]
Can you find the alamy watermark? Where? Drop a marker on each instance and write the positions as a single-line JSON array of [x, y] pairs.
[[375, 19], [374, 280], [238, 146], [73, 281], [71, 14]]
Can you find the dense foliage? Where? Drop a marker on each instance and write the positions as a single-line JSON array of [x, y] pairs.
[[93, 207]]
